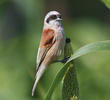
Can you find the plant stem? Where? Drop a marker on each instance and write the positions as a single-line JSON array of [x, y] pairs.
[[70, 85]]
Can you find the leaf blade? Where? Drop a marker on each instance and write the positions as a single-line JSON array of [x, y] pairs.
[[92, 47], [107, 3], [97, 46]]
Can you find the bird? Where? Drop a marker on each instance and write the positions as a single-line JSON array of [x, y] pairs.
[[51, 46]]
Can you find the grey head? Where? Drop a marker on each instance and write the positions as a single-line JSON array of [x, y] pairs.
[[53, 18]]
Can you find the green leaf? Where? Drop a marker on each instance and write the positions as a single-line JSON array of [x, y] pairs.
[[107, 3], [93, 47]]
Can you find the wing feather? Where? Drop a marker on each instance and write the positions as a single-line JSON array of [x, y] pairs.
[[47, 40]]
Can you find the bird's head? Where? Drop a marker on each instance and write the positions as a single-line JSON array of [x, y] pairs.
[[53, 18]]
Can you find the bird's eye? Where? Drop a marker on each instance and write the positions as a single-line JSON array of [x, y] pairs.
[[59, 16], [53, 17]]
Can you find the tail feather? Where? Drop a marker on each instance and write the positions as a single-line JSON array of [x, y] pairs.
[[38, 76], [34, 87]]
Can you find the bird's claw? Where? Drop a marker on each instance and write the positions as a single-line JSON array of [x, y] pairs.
[[63, 60]]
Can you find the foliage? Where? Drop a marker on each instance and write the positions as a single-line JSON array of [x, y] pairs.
[[102, 45], [107, 3]]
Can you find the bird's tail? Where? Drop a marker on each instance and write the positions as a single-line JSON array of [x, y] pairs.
[[38, 76]]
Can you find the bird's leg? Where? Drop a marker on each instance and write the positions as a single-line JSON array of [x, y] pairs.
[[66, 58], [63, 60]]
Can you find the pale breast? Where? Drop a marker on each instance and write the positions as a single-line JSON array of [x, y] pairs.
[[56, 50]]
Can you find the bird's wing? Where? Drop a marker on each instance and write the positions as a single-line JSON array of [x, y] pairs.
[[47, 40]]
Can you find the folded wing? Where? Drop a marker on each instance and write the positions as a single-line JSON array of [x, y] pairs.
[[47, 40]]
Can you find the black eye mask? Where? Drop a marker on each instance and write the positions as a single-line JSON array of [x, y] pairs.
[[53, 17]]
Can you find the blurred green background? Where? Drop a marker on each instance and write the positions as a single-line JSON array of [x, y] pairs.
[[21, 23]]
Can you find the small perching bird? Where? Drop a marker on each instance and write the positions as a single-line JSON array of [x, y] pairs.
[[51, 45]]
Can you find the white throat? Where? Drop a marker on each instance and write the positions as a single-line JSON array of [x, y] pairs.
[[53, 24]]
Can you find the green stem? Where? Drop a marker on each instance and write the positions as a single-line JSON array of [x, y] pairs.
[[70, 89]]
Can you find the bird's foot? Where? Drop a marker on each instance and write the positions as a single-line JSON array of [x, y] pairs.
[[63, 60]]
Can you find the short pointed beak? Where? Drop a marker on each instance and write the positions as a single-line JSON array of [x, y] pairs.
[[58, 19]]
